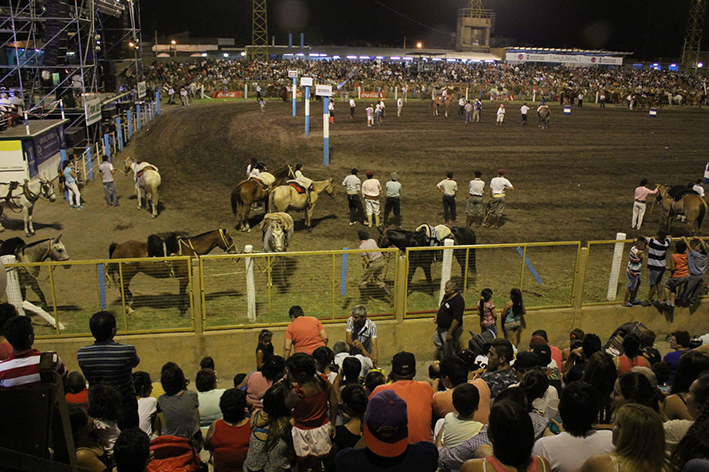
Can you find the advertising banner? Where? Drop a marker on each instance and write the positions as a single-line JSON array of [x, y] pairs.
[[228, 94], [142, 89], [372, 94], [93, 111]]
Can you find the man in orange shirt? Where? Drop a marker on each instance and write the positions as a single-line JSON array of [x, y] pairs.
[[417, 395], [304, 334]]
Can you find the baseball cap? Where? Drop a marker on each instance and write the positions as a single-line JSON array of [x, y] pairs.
[[403, 363], [536, 341], [362, 235], [543, 352], [386, 431], [501, 171], [526, 360]]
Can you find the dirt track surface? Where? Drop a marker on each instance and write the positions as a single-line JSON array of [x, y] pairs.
[[574, 181]]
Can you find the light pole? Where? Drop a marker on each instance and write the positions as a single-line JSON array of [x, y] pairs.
[[174, 46]]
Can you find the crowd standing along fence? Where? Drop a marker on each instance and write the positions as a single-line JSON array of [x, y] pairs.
[[251, 290]]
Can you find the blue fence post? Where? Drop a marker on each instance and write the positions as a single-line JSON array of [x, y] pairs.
[[107, 147], [89, 165], [343, 273], [157, 102], [326, 132], [137, 115], [307, 111], [294, 90], [101, 286], [119, 133], [129, 116], [529, 266]]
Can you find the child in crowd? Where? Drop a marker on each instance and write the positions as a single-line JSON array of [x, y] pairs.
[[148, 420], [486, 310], [229, 437], [264, 348], [105, 408], [680, 273], [459, 427], [374, 379], [207, 363], [325, 363], [310, 396], [269, 445], [179, 405], [90, 454], [259, 382], [351, 368], [513, 317], [354, 400], [76, 384], [208, 395], [635, 264]]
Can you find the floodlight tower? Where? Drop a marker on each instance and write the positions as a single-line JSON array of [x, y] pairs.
[[693, 37], [259, 31], [474, 27]]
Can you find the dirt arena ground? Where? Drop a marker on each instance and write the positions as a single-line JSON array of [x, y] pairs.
[[573, 181]]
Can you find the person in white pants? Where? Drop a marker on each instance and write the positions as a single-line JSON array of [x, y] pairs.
[[70, 184], [639, 205]]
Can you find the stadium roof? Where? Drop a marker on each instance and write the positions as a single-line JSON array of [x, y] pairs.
[[584, 52]]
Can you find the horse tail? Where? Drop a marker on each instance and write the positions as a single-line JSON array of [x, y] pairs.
[[111, 269], [236, 199], [702, 215], [112, 248]]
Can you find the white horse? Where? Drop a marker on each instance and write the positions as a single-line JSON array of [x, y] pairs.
[[20, 198], [277, 229], [147, 181]]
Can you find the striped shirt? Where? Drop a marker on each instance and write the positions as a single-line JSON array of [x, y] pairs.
[[656, 252], [111, 363], [636, 261], [22, 369]]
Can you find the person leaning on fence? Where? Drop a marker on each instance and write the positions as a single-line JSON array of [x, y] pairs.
[[374, 267], [635, 264]]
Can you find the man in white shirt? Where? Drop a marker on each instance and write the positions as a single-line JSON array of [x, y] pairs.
[[342, 352], [474, 206], [461, 107], [371, 188], [399, 106], [448, 187], [524, 109], [354, 186], [699, 187], [566, 452], [496, 205], [352, 108]]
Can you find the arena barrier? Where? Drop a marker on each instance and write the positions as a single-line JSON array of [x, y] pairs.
[[251, 290]]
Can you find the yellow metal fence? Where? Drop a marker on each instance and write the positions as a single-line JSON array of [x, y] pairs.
[[212, 292]]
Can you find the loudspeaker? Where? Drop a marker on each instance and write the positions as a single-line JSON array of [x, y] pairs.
[[75, 137]]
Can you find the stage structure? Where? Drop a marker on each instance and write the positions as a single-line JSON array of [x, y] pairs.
[[693, 37], [68, 50], [259, 31], [474, 26]]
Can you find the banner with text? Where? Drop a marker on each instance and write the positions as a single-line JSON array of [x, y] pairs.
[[93, 111], [228, 94], [564, 59], [372, 94]]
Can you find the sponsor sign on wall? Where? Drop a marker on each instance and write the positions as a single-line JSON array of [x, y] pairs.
[[228, 94], [142, 89], [564, 59], [92, 109], [372, 94]]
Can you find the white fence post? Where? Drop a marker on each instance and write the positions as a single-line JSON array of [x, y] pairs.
[[616, 266], [250, 285], [446, 266]]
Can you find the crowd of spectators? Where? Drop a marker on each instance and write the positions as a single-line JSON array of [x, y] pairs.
[[418, 79], [495, 406]]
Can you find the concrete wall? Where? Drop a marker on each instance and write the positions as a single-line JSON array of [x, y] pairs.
[[234, 350]]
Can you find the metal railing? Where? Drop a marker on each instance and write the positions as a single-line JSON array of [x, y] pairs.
[[251, 290]]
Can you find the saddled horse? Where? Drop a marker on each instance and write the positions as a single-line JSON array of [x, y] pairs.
[[250, 191], [147, 180], [194, 246], [439, 102], [38, 251], [543, 116], [402, 239], [691, 205], [286, 197], [21, 198]]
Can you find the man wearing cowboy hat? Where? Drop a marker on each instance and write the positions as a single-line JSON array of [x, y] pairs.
[[496, 205]]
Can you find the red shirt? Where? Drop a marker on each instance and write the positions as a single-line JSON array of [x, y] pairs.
[[22, 369], [80, 398], [304, 331], [230, 444], [419, 400], [5, 350]]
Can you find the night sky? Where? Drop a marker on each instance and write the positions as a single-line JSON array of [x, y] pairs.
[[652, 29]]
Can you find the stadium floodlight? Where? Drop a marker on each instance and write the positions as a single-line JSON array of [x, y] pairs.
[[226, 54], [489, 60], [204, 54], [419, 45], [351, 57], [700, 64], [380, 57], [436, 59], [300, 54], [450, 59], [364, 57], [408, 58], [335, 57], [395, 58]]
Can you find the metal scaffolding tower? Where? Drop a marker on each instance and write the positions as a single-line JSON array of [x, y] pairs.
[[52, 49], [475, 24], [693, 38], [259, 31]]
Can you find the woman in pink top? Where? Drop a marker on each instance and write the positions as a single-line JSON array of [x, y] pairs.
[[641, 193], [259, 382]]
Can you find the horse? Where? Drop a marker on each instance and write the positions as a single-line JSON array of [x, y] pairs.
[[543, 116], [22, 198], [249, 191], [194, 246], [401, 239], [277, 229], [691, 205], [287, 197], [35, 252], [438, 101], [147, 180]]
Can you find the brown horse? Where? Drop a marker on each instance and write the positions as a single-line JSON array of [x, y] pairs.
[[286, 198], [194, 246], [691, 205], [249, 191], [437, 102]]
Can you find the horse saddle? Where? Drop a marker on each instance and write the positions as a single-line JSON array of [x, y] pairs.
[[260, 183], [678, 192], [298, 188]]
